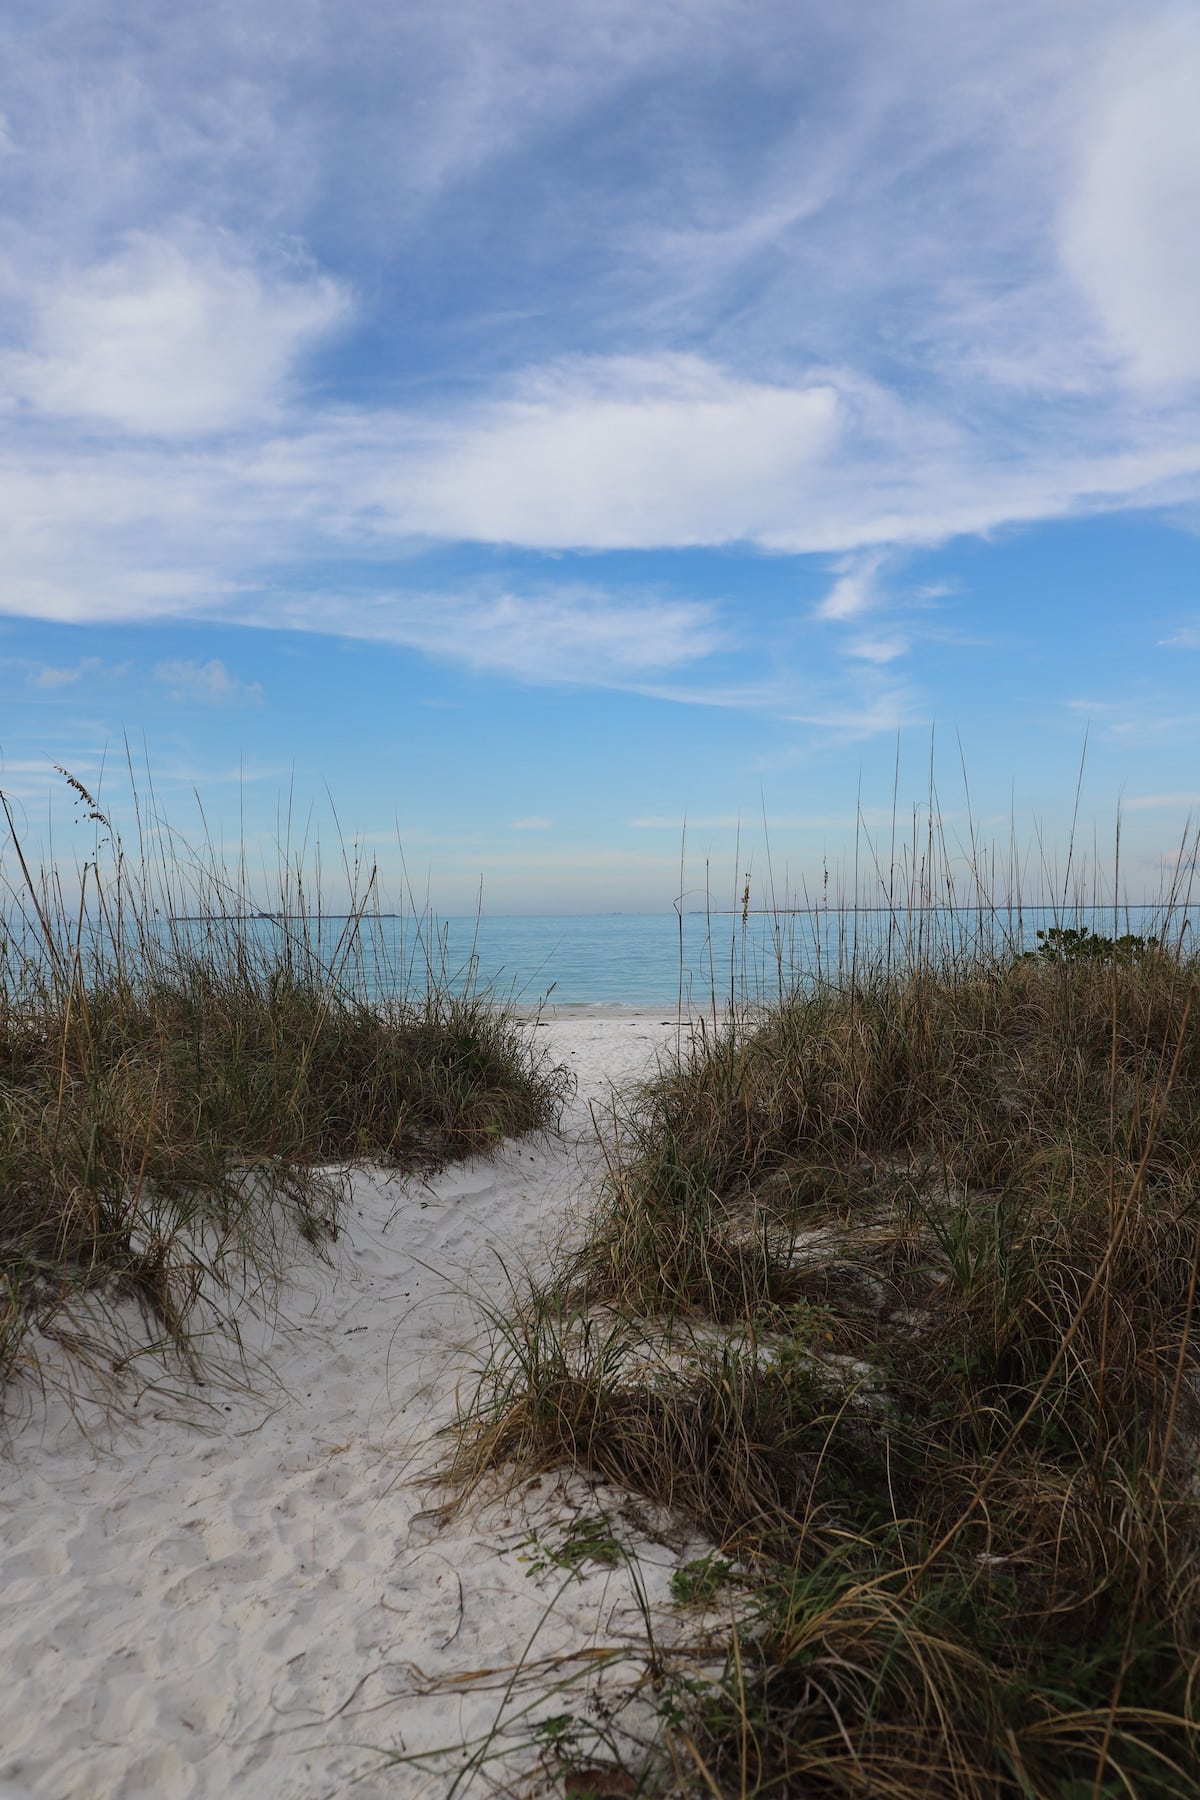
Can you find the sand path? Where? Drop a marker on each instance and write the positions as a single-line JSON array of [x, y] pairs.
[[251, 1597]]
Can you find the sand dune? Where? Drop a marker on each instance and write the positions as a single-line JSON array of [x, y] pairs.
[[244, 1592]]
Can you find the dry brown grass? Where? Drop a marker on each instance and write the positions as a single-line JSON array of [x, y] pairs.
[[891, 1292], [180, 1097]]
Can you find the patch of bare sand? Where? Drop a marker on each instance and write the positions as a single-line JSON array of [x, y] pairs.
[[252, 1595]]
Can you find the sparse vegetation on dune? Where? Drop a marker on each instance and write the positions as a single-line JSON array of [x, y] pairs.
[[179, 1097], [891, 1291]]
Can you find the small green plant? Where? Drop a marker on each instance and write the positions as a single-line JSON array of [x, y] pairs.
[[1070, 944], [698, 1583], [558, 1734], [588, 1539]]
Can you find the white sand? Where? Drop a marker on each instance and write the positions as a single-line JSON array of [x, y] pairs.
[[253, 1598]]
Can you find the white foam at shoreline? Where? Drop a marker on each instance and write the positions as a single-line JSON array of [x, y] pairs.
[[253, 1597]]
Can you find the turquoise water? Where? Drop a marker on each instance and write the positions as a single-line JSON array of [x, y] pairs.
[[657, 959], [625, 959]]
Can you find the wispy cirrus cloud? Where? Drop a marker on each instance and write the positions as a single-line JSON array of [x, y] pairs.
[[855, 589], [856, 292], [48, 677], [750, 823], [1159, 802], [878, 650], [862, 708], [1136, 721], [573, 634], [210, 683], [31, 780]]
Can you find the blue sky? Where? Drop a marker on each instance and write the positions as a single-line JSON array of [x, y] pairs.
[[518, 429]]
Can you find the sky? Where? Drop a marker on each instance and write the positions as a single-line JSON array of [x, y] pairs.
[[551, 445]]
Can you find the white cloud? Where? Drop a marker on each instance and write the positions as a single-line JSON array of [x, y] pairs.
[[878, 650], [1130, 227], [870, 708], [619, 451], [195, 530], [1142, 718], [195, 777], [169, 338], [1154, 728], [864, 290], [47, 676], [856, 589], [674, 452], [574, 635], [747, 823], [39, 766], [1158, 802], [30, 780], [210, 683], [533, 823]]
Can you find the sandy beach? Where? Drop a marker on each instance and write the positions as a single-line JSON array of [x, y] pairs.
[[248, 1591]]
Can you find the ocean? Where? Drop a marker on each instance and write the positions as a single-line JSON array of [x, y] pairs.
[[610, 960], [618, 960]]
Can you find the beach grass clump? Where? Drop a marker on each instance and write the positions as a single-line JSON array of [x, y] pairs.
[[891, 1293], [1036, 1081], [184, 1082]]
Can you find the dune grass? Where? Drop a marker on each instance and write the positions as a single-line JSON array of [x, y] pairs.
[[184, 1081], [891, 1292]]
